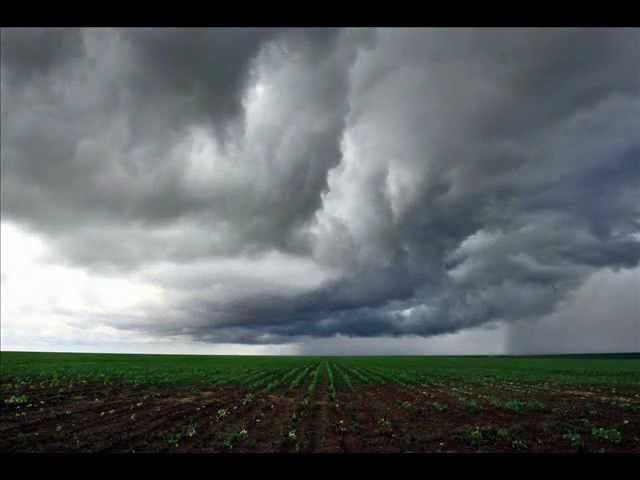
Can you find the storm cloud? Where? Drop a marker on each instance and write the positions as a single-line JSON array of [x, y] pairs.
[[277, 185]]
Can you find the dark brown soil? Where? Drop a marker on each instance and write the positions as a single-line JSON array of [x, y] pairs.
[[382, 418]]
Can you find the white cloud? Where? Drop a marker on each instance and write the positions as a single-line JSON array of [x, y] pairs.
[[41, 301]]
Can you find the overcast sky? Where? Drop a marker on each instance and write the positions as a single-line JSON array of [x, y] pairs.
[[320, 190]]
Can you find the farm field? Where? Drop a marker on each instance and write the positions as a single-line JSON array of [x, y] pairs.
[[63, 402]]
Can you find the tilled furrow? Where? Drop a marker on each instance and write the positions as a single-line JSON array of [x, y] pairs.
[[87, 426], [143, 438], [43, 415], [230, 432]]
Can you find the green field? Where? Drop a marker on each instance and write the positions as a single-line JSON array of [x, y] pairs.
[[623, 369], [73, 402]]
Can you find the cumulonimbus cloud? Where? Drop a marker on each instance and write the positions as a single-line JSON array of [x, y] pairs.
[[403, 181]]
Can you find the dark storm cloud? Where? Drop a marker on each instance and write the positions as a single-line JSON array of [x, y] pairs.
[[206, 69], [109, 139], [407, 182], [32, 53]]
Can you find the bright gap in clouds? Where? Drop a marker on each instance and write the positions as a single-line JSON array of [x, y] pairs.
[[52, 307]]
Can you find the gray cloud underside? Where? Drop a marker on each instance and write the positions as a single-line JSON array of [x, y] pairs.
[[429, 180]]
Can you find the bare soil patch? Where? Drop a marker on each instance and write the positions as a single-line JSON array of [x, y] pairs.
[[91, 417]]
